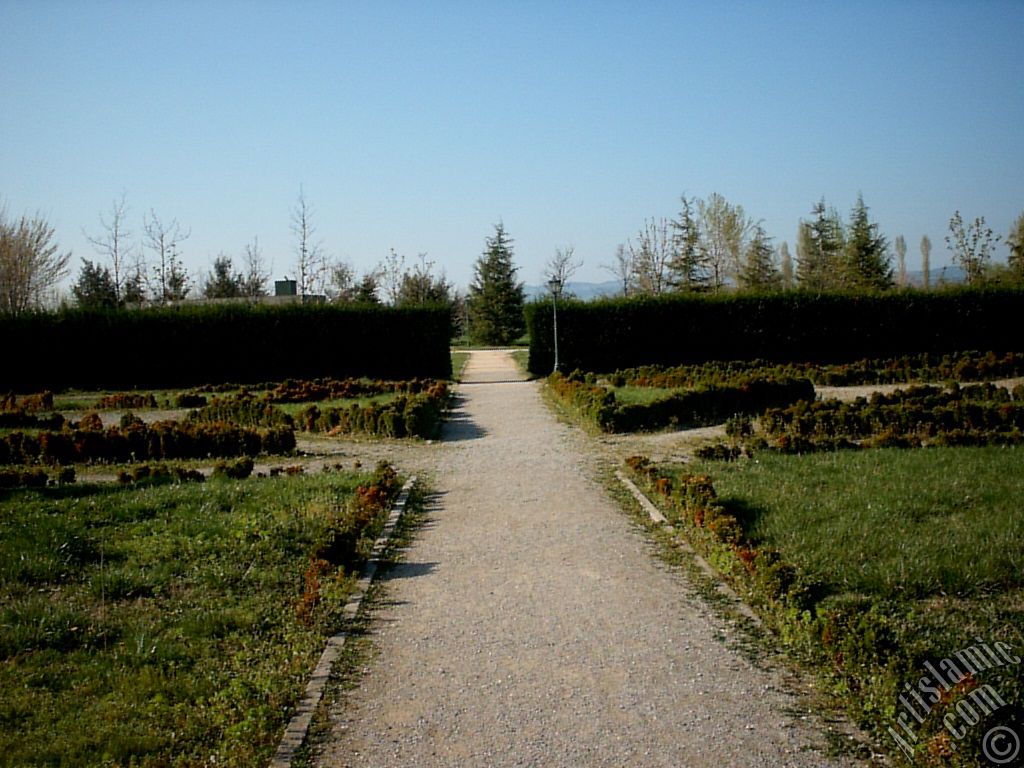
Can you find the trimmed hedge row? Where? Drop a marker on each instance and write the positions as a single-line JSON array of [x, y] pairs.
[[417, 415], [960, 367], [612, 334], [162, 440], [702, 406], [243, 411], [981, 414], [190, 345], [334, 389]]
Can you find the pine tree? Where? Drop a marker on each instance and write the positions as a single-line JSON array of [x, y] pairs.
[[495, 297], [819, 250], [867, 261], [688, 265], [95, 287], [758, 272], [223, 282], [366, 290]]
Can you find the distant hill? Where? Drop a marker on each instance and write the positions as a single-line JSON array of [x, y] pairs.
[[951, 274], [584, 291], [588, 291]]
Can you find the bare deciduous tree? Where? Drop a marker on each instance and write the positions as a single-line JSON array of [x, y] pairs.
[[651, 256], [115, 243], [971, 246], [311, 265], [256, 272], [169, 278], [724, 228], [31, 264], [562, 266], [390, 273], [622, 269]]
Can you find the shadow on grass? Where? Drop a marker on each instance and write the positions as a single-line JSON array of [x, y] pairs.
[[748, 516], [71, 491]]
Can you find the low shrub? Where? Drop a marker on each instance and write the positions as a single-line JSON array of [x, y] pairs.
[[236, 470], [36, 478], [22, 419], [980, 414], [157, 441], [121, 400], [242, 410], [157, 474], [23, 478], [307, 391], [408, 415], [702, 406], [959, 366], [189, 400], [41, 401]]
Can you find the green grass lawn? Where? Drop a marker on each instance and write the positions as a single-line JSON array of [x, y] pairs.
[[89, 401], [161, 625], [905, 557], [641, 395], [295, 408], [916, 523]]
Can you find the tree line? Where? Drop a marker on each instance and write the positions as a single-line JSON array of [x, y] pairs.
[[710, 245], [713, 245], [152, 272]]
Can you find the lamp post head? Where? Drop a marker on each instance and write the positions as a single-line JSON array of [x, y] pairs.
[[555, 286]]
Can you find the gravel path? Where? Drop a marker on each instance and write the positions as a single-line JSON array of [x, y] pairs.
[[530, 625]]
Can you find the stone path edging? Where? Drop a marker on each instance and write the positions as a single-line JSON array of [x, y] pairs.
[[298, 727]]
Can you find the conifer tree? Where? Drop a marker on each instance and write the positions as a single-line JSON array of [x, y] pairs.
[[867, 261], [688, 265], [223, 282], [95, 287], [819, 250], [758, 272], [495, 296]]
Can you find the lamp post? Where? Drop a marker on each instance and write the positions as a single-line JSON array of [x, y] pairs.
[[555, 286]]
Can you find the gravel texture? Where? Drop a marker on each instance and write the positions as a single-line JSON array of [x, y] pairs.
[[530, 625]]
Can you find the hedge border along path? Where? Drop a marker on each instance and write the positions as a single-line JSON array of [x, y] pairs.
[[298, 727]]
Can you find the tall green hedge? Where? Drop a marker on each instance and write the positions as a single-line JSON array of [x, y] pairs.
[[789, 327], [194, 345]]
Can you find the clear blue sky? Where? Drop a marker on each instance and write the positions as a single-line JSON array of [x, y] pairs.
[[418, 125]]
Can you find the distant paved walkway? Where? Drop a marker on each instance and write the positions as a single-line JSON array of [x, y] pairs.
[[530, 625]]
